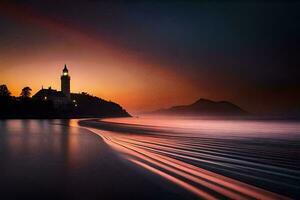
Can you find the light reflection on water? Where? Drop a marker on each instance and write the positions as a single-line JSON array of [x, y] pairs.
[[226, 128], [55, 159], [212, 158], [38, 140]]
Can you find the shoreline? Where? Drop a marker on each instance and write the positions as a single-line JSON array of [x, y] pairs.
[[42, 160], [173, 156]]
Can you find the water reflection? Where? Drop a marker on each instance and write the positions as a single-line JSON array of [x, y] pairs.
[[212, 158], [41, 141], [56, 159]]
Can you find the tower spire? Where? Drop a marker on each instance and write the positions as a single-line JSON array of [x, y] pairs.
[[65, 68]]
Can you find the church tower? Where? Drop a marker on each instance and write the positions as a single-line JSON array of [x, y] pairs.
[[65, 82]]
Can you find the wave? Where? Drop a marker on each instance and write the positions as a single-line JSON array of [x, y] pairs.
[[210, 166]]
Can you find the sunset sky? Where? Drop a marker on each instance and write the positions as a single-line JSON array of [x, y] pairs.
[[150, 55]]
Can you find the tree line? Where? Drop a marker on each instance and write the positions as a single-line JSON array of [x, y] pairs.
[[4, 92], [23, 106]]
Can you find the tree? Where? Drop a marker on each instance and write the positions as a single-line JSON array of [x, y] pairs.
[[4, 92], [26, 92]]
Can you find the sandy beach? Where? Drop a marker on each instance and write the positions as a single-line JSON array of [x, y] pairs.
[[140, 159], [212, 159], [51, 159], [149, 100]]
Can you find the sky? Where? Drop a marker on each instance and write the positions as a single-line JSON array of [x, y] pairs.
[[147, 55]]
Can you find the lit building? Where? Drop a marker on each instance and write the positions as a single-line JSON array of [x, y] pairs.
[[59, 98]]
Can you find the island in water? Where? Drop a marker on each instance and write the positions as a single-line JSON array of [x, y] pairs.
[[50, 103], [205, 107]]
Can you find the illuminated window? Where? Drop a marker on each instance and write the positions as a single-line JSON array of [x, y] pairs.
[[65, 73]]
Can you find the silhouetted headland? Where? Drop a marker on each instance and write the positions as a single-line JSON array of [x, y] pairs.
[[82, 106], [50, 103]]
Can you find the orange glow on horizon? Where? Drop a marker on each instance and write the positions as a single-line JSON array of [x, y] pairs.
[[96, 66]]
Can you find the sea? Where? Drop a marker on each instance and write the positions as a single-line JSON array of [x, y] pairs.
[[210, 158]]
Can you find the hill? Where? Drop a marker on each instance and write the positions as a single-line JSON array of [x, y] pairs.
[[84, 106], [91, 106], [205, 107]]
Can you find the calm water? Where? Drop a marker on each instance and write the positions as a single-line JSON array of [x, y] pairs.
[[149, 158], [55, 159], [212, 158]]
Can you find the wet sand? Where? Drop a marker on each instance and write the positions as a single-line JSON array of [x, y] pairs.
[[212, 159], [52, 159]]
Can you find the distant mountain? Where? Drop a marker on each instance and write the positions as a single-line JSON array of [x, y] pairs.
[[205, 107]]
